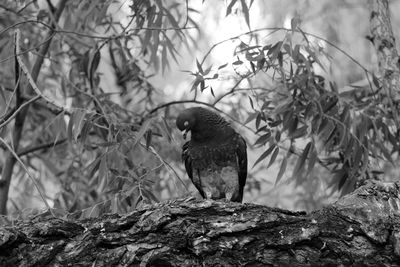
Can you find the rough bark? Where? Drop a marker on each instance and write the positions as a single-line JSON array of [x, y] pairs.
[[361, 229]]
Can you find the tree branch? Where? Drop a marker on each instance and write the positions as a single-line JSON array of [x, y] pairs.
[[28, 150], [361, 229]]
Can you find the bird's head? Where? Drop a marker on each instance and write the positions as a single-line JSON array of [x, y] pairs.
[[203, 124], [186, 121]]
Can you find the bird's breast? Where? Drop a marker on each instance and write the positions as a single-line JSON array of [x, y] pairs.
[[216, 181], [204, 156]]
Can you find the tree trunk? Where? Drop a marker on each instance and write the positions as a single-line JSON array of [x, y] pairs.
[[388, 59], [361, 229]]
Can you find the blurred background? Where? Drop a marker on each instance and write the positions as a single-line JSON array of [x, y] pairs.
[[120, 72]]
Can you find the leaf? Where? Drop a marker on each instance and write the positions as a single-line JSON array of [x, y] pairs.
[[171, 48], [280, 59], [312, 159], [164, 59], [78, 123], [300, 132], [222, 66], [273, 52], [115, 204], [300, 164], [149, 136], [247, 48], [375, 80], [278, 136], [265, 128], [59, 126], [264, 155], [238, 62], [94, 166], [94, 63], [281, 170], [343, 179], [253, 68], [245, 9], [275, 123], [142, 131], [294, 22], [103, 168], [69, 129], [229, 8], [263, 139], [85, 130], [273, 157], [251, 102], [251, 117], [199, 67], [2, 91], [207, 71], [292, 124], [149, 195]]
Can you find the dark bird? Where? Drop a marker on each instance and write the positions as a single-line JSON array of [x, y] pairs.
[[215, 157]]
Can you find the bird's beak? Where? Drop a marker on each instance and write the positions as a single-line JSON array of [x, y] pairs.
[[185, 133]]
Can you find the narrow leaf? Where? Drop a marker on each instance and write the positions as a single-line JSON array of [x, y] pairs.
[[229, 8], [301, 161], [245, 9], [199, 67], [263, 139], [222, 66], [78, 118], [281, 170], [313, 159], [265, 154], [273, 157], [251, 102], [142, 131]]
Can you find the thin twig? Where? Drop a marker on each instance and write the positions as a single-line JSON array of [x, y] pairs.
[[29, 76], [169, 167], [28, 150], [19, 110], [230, 91]]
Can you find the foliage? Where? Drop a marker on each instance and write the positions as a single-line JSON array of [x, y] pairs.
[[96, 141], [347, 132]]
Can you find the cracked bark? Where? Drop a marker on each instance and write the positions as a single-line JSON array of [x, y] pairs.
[[362, 228]]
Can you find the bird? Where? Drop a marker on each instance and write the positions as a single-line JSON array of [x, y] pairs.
[[215, 157]]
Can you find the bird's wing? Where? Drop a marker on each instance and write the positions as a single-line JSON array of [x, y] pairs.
[[189, 168], [241, 155]]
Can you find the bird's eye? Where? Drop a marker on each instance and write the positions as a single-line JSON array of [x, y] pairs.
[[186, 123]]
